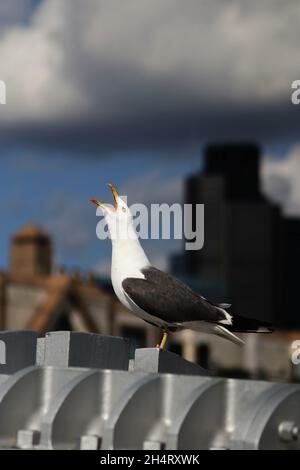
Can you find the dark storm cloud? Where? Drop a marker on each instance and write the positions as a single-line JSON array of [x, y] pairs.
[[146, 73], [15, 11]]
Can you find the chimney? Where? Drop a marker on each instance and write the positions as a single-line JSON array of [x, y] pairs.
[[31, 252]]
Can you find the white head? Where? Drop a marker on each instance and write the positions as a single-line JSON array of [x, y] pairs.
[[118, 217]]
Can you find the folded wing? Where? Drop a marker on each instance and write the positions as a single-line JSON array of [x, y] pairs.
[[164, 297]]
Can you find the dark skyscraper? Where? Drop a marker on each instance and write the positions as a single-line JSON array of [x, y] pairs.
[[244, 260]]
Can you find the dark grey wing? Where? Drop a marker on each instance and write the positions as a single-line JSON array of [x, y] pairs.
[[171, 301], [160, 277]]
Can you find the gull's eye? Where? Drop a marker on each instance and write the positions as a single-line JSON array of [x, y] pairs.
[[123, 209]]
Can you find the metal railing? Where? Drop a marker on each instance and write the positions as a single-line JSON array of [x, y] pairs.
[[73, 390]]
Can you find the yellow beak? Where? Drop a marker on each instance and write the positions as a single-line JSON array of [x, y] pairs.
[[115, 195]]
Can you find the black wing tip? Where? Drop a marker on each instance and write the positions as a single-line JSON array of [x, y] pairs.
[[251, 325]]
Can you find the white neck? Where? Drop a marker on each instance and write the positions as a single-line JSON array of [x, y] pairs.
[[128, 256]]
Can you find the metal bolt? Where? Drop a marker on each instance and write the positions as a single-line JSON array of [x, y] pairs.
[[288, 431]]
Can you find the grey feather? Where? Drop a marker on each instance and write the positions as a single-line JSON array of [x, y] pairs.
[[223, 305], [168, 299]]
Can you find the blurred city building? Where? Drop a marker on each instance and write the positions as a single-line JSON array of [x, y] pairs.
[[250, 258], [251, 250]]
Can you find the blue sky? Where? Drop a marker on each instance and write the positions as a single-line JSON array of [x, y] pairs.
[[54, 189]]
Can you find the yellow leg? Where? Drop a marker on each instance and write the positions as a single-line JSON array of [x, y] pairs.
[[164, 340]]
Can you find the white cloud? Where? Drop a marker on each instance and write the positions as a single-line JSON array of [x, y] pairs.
[[281, 181], [119, 64]]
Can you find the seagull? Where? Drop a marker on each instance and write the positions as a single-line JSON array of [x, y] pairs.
[[157, 297]]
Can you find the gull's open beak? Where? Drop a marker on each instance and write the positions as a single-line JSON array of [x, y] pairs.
[[98, 203], [115, 195]]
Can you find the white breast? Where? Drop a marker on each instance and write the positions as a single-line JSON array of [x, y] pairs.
[[128, 260]]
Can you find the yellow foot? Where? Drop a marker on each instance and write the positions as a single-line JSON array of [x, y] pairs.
[[163, 341]]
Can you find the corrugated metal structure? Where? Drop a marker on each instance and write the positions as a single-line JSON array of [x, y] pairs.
[[74, 391]]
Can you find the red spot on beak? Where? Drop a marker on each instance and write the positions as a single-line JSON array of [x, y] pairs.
[[94, 201]]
